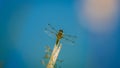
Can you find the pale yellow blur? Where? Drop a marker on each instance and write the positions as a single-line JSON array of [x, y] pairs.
[[100, 15]]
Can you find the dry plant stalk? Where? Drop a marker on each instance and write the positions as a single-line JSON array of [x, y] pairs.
[[54, 56]]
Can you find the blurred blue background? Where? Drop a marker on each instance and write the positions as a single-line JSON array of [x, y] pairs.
[[94, 22]]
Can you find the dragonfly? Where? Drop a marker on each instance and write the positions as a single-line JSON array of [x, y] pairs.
[[60, 35]]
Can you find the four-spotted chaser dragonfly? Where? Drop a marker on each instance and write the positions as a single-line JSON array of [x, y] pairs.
[[60, 35]]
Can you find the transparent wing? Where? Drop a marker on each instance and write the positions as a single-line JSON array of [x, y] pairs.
[[51, 31], [69, 39]]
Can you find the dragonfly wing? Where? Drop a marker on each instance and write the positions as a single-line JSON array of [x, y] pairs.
[[68, 41], [50, 31], [70, 36], [51, 27]]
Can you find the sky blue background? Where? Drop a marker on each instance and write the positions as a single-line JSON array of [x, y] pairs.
[[23, 40]]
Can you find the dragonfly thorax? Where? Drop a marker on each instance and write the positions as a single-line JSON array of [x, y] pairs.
[[60, 34]]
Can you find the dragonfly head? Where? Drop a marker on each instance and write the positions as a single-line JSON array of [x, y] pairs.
[[61, 30]]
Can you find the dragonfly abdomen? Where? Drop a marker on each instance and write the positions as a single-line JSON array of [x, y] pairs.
[[57, 41]]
